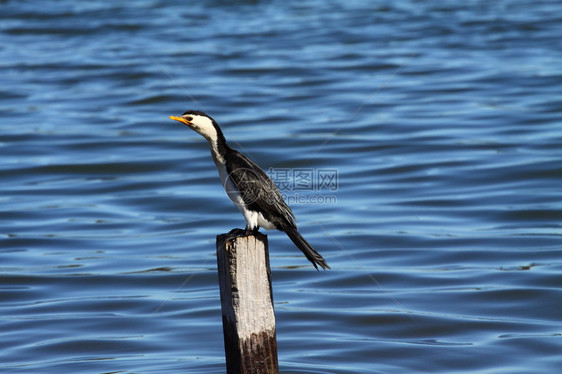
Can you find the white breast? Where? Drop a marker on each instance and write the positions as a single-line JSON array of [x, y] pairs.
[[235, 196]]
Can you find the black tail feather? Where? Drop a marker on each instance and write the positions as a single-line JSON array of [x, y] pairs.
[[312, 256]]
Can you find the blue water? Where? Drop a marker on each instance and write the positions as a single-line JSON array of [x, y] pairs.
[[441, 122]]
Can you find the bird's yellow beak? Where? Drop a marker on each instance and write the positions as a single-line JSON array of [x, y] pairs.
[[180, 119]]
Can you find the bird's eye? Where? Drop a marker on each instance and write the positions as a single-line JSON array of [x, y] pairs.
[[189, 119]]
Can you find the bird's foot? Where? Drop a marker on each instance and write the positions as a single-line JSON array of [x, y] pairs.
[[252, 231], [237, 232]]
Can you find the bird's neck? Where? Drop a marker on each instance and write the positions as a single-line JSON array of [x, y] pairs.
[[218, 146]]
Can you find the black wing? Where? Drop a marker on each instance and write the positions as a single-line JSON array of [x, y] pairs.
[[258, 191], [260, 194]]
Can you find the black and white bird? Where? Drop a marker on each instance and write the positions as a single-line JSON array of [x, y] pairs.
[[249, 187]]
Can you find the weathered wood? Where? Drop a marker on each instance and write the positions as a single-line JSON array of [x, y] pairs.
[[247, 303]]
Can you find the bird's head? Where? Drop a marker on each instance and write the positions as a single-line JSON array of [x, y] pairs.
[[200, 122]]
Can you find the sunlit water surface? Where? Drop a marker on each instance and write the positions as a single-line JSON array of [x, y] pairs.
[[439, 122]]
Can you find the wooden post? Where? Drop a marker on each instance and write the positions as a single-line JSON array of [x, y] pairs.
[[248, 319]]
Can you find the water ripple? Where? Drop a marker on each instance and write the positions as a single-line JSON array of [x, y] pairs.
[[440, 119]]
